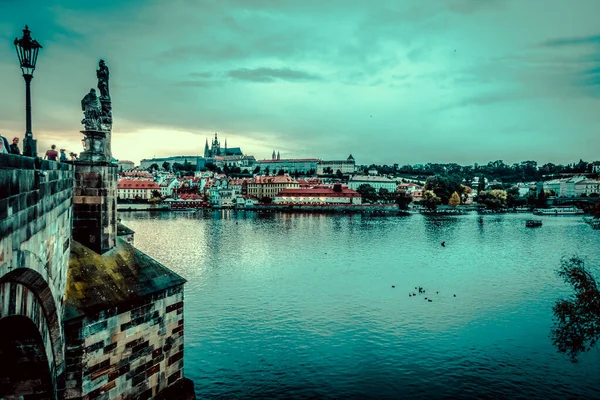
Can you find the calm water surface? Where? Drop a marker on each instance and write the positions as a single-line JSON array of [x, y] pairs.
[[296, 306]]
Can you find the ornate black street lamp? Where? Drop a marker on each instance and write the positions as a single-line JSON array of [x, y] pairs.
[[27, 51]]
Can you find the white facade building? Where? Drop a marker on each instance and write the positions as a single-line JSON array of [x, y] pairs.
[[136, 189], [377, 182], [168, 185], [563, 187], [587, 187], [346, 167], [289, 165]]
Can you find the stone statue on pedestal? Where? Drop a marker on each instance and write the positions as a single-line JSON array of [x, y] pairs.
[[102, 75], [98, 120], [92, 111]]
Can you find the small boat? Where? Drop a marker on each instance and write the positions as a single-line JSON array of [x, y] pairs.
[[533, 223], [558, 211]]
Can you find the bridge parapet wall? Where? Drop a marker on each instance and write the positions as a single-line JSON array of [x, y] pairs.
[[35, 238]]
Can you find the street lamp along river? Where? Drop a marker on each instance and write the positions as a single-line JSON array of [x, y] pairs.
[[27, 51]]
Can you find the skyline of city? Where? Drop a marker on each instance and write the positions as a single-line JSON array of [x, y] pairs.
[[459, 81]]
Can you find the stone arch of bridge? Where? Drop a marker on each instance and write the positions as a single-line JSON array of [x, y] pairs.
[[27, 294], [25, 369]]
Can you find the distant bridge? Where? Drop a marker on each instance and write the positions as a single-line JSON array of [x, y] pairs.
[[575, 200]]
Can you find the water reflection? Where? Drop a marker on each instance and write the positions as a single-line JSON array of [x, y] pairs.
[[301, 305], [577, 324]]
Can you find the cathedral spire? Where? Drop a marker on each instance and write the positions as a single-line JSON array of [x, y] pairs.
[[206, 151], [273, 156], [279, 158]]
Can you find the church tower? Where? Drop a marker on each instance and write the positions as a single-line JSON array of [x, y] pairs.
[[206, 150], [273, 156], [278, 157], [216, 147]]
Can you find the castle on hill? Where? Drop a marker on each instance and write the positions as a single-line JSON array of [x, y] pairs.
[[216, 150]]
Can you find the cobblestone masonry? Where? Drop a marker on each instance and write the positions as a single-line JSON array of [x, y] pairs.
[[35, 231], [127, 355]]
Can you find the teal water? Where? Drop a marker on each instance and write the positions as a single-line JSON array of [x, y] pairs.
[[296, 306]]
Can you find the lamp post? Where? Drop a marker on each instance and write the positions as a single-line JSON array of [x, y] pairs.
[[27, 51]]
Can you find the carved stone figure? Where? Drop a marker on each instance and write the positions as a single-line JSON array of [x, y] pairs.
[[102, 74], [92, 111]]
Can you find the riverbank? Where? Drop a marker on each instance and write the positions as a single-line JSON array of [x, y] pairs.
[[355, 208], [143, 207]]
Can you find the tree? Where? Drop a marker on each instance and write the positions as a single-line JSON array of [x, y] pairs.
[[281, 172], [166, 166], [493, 199], [512, 195], [541, 202], [367, 192], [444, 186], [454, 200], [339, 174], [531, 198], [577, 325], [267, 171], [403, 199], [256, 170], [187, 166], [430, 200], [386, 196], [153, 167]]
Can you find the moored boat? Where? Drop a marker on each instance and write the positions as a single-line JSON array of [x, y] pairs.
[[558, 211], [533, 223]]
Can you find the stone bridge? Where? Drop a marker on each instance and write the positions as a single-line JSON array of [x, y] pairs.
[[35, 233]]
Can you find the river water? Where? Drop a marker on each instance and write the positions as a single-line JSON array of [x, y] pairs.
[[298, 306]]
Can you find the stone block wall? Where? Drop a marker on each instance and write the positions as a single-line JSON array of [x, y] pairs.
[[127, 354], [95, 206], [35, 231]]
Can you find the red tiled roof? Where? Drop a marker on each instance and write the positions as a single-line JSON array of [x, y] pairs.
[[189, 196], [273, 179], [133, 184]]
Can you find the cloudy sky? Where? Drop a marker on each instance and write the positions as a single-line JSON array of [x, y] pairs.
[[388, 81]]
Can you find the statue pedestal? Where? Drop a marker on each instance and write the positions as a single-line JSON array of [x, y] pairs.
[[94, 144]]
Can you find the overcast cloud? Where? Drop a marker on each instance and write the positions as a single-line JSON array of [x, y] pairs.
[[388, 81]]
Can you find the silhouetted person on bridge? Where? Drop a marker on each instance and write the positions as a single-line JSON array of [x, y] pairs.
[[14, 147], [51, 154]]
